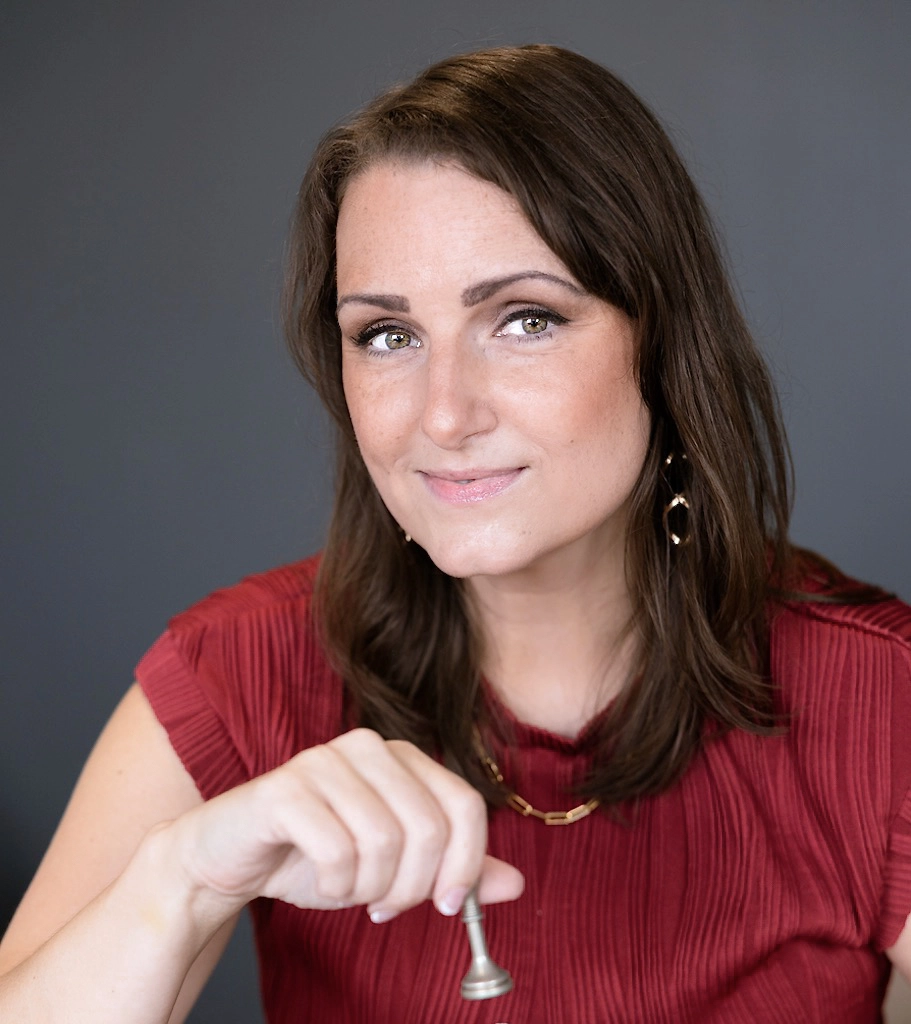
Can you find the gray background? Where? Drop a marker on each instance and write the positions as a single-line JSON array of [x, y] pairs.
[[156, 442]]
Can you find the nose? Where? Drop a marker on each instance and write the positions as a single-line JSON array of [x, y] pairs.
[[458, 397]]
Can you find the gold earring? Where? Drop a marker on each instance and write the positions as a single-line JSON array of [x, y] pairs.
[[677, 501], [674, 538]]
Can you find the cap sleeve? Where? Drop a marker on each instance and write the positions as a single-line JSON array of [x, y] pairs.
[[240, 681], [895, 904], [896, 900], [195, 725]]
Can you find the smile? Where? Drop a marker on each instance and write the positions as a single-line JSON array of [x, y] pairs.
[[470, 486]]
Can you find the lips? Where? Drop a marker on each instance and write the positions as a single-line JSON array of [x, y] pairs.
[[463, 487]]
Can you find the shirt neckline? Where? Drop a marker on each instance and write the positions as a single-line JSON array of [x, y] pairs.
[[511, 731]]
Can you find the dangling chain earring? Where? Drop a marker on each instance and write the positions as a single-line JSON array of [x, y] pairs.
[[677, 501]]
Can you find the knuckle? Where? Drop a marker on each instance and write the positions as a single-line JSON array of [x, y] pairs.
[[359, 738], [386, 841], [470, 805], [402, 748], [319, 757], [334, 867], [334, 887], [429, 832], [302, 772], [337, 858], [283, 786]]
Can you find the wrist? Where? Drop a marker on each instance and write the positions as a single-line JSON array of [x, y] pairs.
[[170, 899]]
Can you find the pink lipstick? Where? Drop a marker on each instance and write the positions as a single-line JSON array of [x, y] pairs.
[[471, 485]]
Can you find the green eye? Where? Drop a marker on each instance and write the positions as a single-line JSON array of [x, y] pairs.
[[397, 339], [531, 322], [382, 338], [534, 324]]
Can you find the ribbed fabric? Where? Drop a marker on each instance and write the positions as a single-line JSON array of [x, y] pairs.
[[763, 887]]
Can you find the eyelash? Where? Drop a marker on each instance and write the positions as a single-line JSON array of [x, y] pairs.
[[363, 338], [539, 312]]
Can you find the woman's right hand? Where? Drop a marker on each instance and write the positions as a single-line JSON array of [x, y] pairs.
[[356, 821], [139, 890]]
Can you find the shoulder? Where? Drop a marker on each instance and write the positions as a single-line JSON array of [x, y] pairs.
[[246, 664], [256, 636], [845, 655], [245, 628], [842, 666], [843, 646], [885, 622], [825, 609], [260, 595]]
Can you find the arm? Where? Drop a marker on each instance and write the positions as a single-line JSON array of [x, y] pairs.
[[356, 821], [900, 953], [132, 781]]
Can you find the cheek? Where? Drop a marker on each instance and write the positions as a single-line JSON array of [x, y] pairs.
[[607, 429], [604, 403], [378, 421]]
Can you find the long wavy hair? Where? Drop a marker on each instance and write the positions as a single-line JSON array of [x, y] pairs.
[[601, 183]]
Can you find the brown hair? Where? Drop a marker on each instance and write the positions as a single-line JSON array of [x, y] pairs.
[[601, 183]]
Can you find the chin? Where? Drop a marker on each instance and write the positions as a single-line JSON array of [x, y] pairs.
[[464, 559]]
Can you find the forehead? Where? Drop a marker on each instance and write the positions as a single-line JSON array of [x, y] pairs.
[[432, 218], [392, 179]]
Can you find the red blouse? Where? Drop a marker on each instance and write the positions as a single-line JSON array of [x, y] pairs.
[[762, 887]]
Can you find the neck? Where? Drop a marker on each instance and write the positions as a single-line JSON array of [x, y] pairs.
[[557, 643]]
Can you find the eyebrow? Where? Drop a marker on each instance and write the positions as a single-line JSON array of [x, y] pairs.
[[479, 292], [397, 303], [470, 296]]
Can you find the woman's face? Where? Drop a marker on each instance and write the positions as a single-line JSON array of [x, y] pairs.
[[494, 401]]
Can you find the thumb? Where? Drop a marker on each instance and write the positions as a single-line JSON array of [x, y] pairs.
[[499, 881]]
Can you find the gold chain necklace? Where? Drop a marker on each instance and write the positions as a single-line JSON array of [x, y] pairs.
[[520, 804]]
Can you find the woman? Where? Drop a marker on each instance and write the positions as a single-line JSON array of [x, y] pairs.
[[557, 576]]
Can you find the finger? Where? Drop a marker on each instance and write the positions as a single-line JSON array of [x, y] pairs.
[[462, 859], [320, 866], [373, 826], [423, 823], [252, 842], [500, 882]]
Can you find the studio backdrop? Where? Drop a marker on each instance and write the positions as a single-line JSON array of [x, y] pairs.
[[156, 441]]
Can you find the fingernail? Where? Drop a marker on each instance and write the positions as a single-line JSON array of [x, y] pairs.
[[452, 902], [382, 916]]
